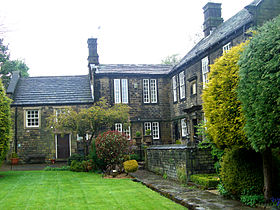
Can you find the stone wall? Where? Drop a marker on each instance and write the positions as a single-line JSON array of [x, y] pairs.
[[140, 112], [38, 141], [165, 159]]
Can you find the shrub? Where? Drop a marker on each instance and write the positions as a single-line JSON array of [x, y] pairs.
[[97, 163], [130, 166], [206, 181], [63, 168], [77, 166], [225, 121], [252, 200], [112, 148], [135, 157], [241, 170], [77, 157], [181, 174], [148, 132], [5, 123]]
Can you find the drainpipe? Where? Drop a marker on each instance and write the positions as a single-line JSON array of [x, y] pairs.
[[16, 144]]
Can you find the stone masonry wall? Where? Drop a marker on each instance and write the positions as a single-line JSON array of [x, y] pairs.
[[165, 159], [41, 140]]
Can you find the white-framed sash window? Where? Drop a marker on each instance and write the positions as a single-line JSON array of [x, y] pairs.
[[182, 85], [174, 88], [121, 91], [205, 70]]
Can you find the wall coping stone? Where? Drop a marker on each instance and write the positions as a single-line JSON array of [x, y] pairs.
[[170, 146]]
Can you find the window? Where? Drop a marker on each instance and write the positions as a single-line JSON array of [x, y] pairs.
[[226, 47], [193, 88], [174, 85], [150, 91], [153, 83], [184, 127], [121, 91], [182, 85], [80, 138], [60, 111], [205, 70], [155, 130], [32, 118], [154, 127], [119, 128]]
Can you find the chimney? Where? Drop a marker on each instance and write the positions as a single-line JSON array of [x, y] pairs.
[[93, 57], [212, 17]]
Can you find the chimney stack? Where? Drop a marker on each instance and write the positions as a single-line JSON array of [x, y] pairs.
[[93, 57], [212, 17]]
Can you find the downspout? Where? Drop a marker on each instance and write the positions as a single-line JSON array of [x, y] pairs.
[[16, 140]]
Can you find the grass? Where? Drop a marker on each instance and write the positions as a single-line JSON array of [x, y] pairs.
[[72, 190]]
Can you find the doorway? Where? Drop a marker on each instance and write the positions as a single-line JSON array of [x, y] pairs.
[[62, 146]]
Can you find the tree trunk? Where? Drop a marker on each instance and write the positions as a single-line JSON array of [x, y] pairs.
[[267, 173]]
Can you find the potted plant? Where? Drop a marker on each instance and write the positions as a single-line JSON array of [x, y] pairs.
[[148, 138], [138, 137], [148, 132], [52, 160], [14, 158]]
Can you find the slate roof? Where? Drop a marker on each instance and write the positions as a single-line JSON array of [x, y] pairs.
[[225, 29], [151, 69], [53, 90]]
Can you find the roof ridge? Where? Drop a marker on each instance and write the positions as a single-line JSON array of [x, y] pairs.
[[54, 76]]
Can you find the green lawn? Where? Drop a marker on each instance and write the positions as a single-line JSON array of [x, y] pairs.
[[72, 190]]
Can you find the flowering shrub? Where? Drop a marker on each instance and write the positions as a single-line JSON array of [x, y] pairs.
[[112, 148]]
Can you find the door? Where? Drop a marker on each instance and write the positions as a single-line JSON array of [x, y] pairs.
[[63, 146]]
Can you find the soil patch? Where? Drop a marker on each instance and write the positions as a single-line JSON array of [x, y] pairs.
[[119, 176]]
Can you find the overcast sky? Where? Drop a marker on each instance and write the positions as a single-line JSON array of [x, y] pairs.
[[51, 36]]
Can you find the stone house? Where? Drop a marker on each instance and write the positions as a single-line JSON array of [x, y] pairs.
[[165, 99]]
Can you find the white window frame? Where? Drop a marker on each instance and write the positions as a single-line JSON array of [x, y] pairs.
[[146, 90], [193, 88], [226, 47], [182, 85], [174, 87], [32, 117], [153, 88], [127, 133], [121, 91], [119, 128], [80, 138], [155, 130], [154, 127], [150, 94], [184, 127], [205, 70]]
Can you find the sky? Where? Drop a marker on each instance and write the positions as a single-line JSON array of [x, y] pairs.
[[51, 35]]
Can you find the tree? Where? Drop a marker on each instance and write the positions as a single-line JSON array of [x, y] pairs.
[[225, 121], [171, 60], [8, 66], [5, 123], [259, 92], [90, 121]]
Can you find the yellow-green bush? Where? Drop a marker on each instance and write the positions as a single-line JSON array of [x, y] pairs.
[[5, 123], [130, 166], [225, 121], [205, 180], [241, 172]]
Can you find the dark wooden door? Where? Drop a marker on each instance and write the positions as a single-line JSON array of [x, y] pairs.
[[63, 150]]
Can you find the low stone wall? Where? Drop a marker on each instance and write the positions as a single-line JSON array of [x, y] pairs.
[[164, 159]]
